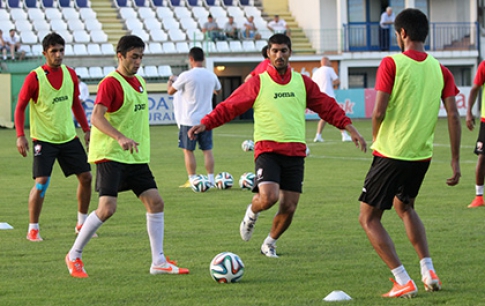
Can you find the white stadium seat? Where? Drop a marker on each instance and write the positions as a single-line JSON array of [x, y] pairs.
[[87, 13], [169, 47], [80, 50], [158, 35], [151, 72], [35, 13], [83, 72], [108, 69], [165, 71], [75, 24], [182, 47], [222, 46], [58, 25], [96, 72], [94, 49], [52, 13], [155, 47], [36, 50], [107, 49], [93, 24], [99, 36], [68, 50], [177, 35], [28, 37], [81, 36], [235, 46]]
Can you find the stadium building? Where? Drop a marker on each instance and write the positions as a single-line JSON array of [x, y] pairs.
[[347, 31]]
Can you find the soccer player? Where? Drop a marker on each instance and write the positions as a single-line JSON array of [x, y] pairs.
[[52, 92], [326, 79], [410, 86], [279, 98], [120, 148], [196, 88], [470, 123]]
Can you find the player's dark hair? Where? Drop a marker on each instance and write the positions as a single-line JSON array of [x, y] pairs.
[[197, 54], [128, 43], [279, 39], [264, 51], [52, 39], [414, 22]]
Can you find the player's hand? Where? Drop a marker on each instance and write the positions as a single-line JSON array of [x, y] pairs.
[[196, 129], [455, 179], [470, 122], [22, 145], [128, 144], [358, 140], [87, 138]]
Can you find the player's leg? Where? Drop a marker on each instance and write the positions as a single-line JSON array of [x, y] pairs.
[[44, 158], [480, 169], [73, 160], [156, 232], [188, 146], [205, 144], [318, 134]]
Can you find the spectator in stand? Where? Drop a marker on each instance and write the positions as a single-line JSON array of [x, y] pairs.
[[387, 19], [261, 66], [13, 44], [250, 30], [3, 46], [230, 29], [279, 26], [211, 29]]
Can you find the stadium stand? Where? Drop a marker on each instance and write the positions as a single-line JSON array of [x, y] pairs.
[[14, 4], [68, 50]]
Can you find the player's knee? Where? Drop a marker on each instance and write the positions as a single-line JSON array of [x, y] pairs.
[[42, 188], [85, 178]]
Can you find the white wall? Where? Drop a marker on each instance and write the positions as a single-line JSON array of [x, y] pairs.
[[449, 11]]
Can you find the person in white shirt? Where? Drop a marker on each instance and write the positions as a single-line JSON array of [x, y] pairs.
[[279, 26], [195, 87], [13, 44], [250, 30], [230, 29], [3, 46], [387, 19], [326, 79]]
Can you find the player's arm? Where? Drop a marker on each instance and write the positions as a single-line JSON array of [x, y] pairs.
[[470, 119], [379, 113], [170, 89], [27, 92], [454, 130]]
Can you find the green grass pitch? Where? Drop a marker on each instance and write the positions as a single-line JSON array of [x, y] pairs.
[[324, 249]]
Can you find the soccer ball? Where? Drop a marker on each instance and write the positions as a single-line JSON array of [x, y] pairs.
[[246, 181], [200, 183], [224, 180], [226, 267], [247, 145]]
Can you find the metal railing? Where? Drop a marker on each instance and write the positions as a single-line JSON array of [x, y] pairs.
[[364, 36]]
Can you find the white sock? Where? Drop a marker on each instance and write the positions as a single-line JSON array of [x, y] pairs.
[[250, 213], [479, 190], [90, 226], [401, 275], [344, 132], [270, 240], [155, 229], [81, 218], [192, 176], [211, 178], [318, 135], [426, 265], [34, 226]]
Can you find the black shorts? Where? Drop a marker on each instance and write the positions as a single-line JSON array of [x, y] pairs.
[[480, 145], [204, 139], [71, 157], [287, 171], [113, 177], [389, 177]]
